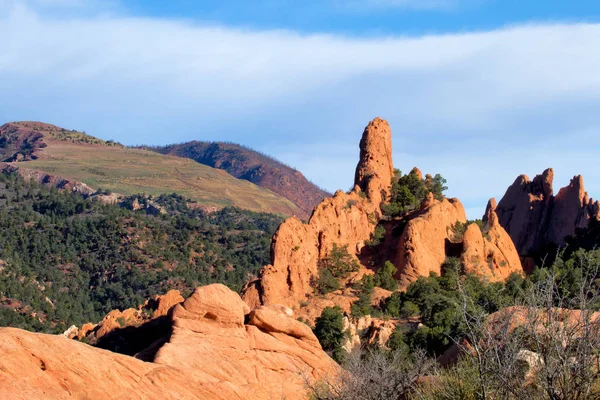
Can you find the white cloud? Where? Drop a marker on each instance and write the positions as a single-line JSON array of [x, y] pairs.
[[480, 108]]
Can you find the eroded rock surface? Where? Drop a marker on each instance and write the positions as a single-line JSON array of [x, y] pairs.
[[212, 354], [535, 218], [418, 243], [422, 247], [491, 253], [346, 219]]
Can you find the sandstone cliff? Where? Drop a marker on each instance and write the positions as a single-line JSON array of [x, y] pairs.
[[422, 247], [211, 354], [535, 218], [345, 219], [429, 239]]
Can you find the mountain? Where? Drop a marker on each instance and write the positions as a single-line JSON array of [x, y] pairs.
[[64, 155], [250, 165]]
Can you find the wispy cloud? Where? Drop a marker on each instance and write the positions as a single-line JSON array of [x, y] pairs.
[[480, 108]]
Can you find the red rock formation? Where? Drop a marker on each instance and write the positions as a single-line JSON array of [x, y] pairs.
[[350, 220], [375, 169], [422, 247], [158, 306], [428, 240], [345, 219], [211, 355], [535, 218], [572, 209], [368, 330], [492, 253]]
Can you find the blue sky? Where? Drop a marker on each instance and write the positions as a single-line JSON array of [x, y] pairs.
[[372, 17], [477, 90]]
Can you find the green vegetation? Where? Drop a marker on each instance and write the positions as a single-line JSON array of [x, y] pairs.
[[378, 236], [534, 350], [329, 329], [409, 191], [384, 277], [68, 260], [362, 306], [327, 283], [339, 264]]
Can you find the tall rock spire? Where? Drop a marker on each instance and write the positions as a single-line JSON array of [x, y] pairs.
[[375, 168], [346, 220]]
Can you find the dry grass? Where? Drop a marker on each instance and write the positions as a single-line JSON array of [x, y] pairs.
[[131, 171]]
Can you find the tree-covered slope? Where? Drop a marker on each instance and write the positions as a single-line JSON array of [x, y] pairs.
[[68, 260]]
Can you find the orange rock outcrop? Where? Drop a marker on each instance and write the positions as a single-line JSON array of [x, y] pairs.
[[212, 354], [491, 253], [349, 219], [422, 247], [368, 330], [428, 240], [535, 218], [157, 307], [346, 219]]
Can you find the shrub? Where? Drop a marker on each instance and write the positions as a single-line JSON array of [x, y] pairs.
[[327, 283], [377, 237], [409, 191], [458, 231], [384, 277], [362, 306], [397, 342], [340, 262], [393, 305], [329, 329], [409, 309], [373, 375]]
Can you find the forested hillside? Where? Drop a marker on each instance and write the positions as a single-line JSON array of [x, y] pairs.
[[68, 260]]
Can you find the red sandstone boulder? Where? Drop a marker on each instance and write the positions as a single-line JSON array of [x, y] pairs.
[[157, 307], [211, 355]]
